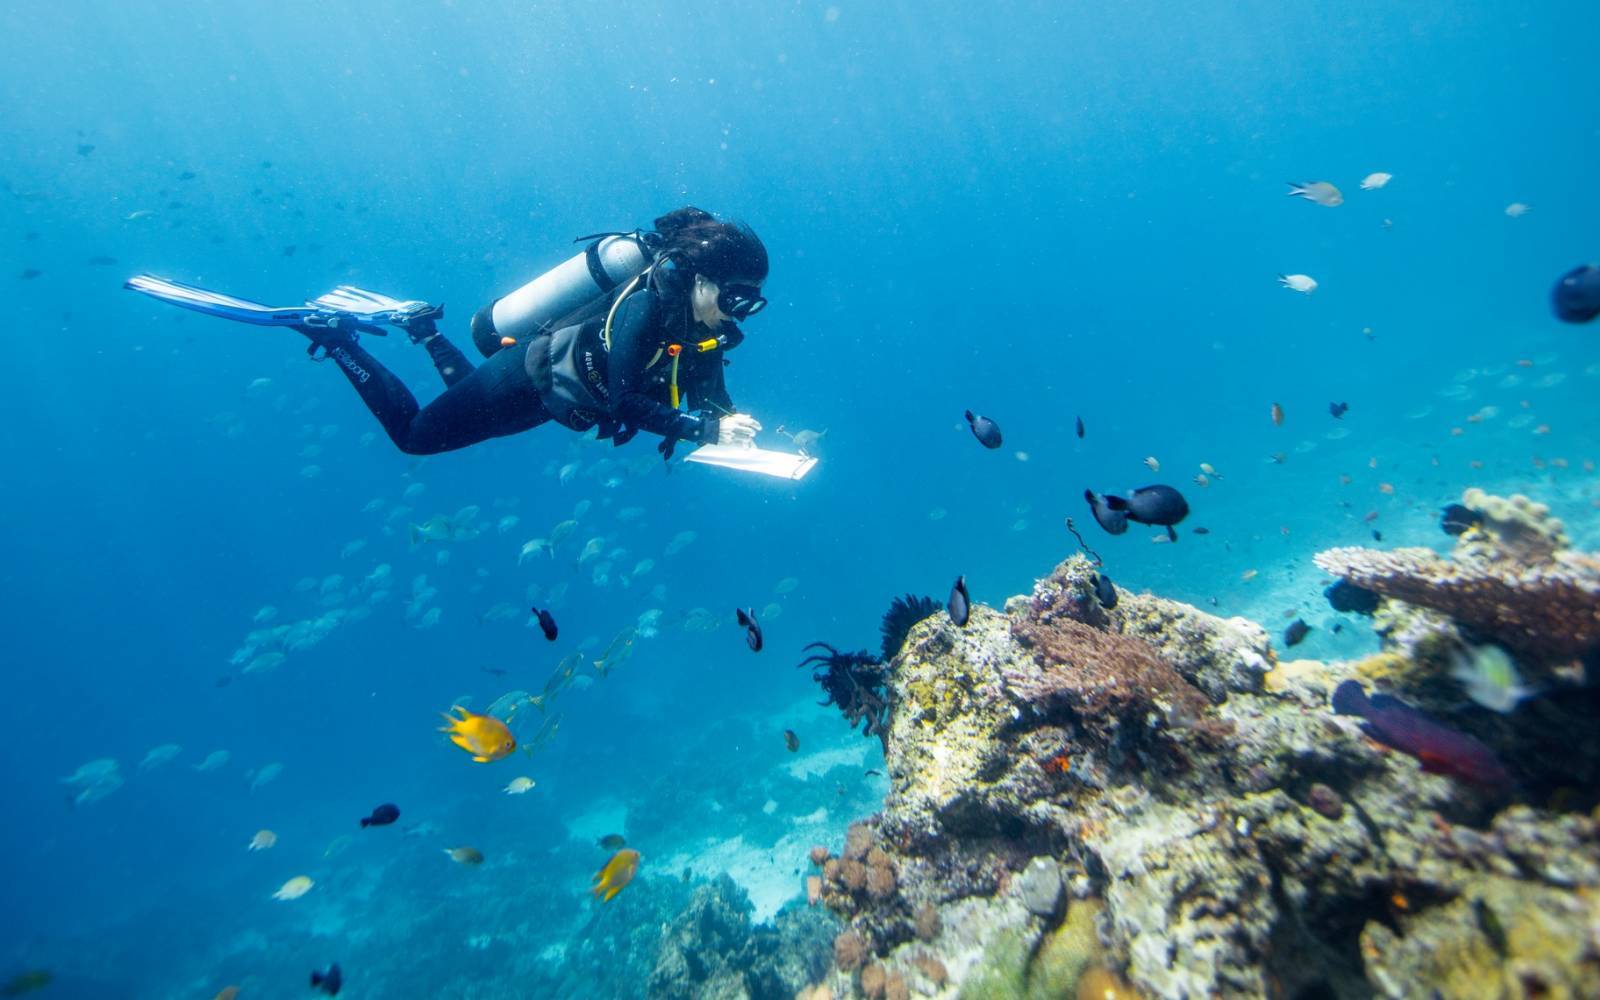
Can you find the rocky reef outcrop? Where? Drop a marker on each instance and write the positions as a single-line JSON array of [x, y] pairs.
[[1143, 801]]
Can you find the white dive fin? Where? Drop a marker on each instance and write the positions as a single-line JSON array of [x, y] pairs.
[[780, 464]]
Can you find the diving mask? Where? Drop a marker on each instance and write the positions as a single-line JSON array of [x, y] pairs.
[[740, 302]]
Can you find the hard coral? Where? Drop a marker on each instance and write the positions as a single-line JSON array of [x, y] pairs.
[[857, 841], [1106, 679], [895, 988], [819, 856], [927, 922], [873, 981], [853, 875], [1511, 579], [849, 951], [880, 881], [934, 969]]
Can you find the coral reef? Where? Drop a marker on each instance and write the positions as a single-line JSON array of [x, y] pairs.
[[1511, 579], [1137, 801]]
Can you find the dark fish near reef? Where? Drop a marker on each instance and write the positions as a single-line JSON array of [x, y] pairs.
[[1457, 519], [1576, 297], [985, 430], [1158, 506], [873, 773], [1345, 596], [328, 982], [1115, 521], [1395, 724], [1296, 633], [613, 841], [1080, 428], [791, 741], [382, 816], [1338, 409], [1105, 591], [547, 623], [752, 628], [960, 604]]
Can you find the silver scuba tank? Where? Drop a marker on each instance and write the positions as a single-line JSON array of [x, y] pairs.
[[537, 307]]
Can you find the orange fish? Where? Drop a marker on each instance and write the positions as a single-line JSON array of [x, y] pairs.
[[616, 875], [1277, 414], [483, 736], [1387, 489]]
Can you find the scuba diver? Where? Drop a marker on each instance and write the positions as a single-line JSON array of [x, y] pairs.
[[617, 338]]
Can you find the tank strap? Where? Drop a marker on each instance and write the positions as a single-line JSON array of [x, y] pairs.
[[597, 270]]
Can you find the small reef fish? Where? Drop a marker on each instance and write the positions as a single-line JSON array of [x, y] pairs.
[[985, 430], [1457, 519], [214, 760], [1338, 410], [786, 585], [959, 606], [519, 786], [547, 622], [1296, 633], [1080, 428], [381, 816], [679, 542], [1152, 463], [264, 840], [294, 888], [328, 982], [1517, 210], [533, 547], [790, 741], [752, 628], [266, 775], [465, 855], [1441, 750], [616, 875], [1158, 506], [1105, 591], [483, 736], [1345, 596], [1374, 181], [226, 993], [1305, 284], [1576, 296], [1490, 678], [612, 842], [1321, 192], [160, 755], [1277, 414]]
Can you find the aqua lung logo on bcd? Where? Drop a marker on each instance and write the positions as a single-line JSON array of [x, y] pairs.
[[350, 365]]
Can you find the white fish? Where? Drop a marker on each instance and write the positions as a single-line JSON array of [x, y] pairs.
[[352, 547], [259, 385], [1517, 210], [506, 523], [160, 755], [581, 508], [214, 760], [680, 541], [1490, 678], [310, 471], [591, 549], [567, 473], [376, 503], [265, 775], [1321, 192], [265, 614], [1373, 182], [519, 786], [629, 513], [643, 566], [294, 888], [1153, 462], [1302, 283], [91, 772], [413, 491], [786, 585], [533, 547], [143, 213]]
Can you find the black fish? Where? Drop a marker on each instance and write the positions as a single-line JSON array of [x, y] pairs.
[[1080, 428], [85, 148], [497, 671], [790, 740], [1338, 409], [1457, 519], [752, 628], [1296, 632], [1345, 596], [28, 274], [1576, 297], [1202, 531], [547, 623], [985, 430], [328, 982], [1105, 591], [960, 604], [289, 250], [612, 842], [871, 773], [1377, 535], [1114, 520], [1159, 506], [102, 261], [382, 816], [187, 175]]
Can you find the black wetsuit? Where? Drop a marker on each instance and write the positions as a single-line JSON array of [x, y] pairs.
[[498, 397]]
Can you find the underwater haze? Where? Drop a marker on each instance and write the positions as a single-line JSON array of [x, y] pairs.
[[1039, 212]]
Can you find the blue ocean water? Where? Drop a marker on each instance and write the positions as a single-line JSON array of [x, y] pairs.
[[1035, 211]]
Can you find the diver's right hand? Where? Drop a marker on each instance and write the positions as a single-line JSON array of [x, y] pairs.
[[738, 429]]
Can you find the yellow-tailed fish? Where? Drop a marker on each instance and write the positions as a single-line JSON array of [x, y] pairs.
[[483, 736], [616, 875]]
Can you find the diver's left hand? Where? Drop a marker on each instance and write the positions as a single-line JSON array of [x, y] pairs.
[[738, 430]]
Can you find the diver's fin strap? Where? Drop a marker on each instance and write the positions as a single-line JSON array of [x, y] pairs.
[[346, 307]]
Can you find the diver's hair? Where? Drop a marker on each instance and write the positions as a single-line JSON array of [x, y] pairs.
[[700, 243]]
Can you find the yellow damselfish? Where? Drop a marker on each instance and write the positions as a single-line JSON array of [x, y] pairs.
[[483, 736], [615, 876]]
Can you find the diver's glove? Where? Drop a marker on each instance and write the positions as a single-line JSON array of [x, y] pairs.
[[689, 427], [738, 429]]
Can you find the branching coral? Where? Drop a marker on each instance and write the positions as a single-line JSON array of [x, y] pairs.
[[1510, 579]]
